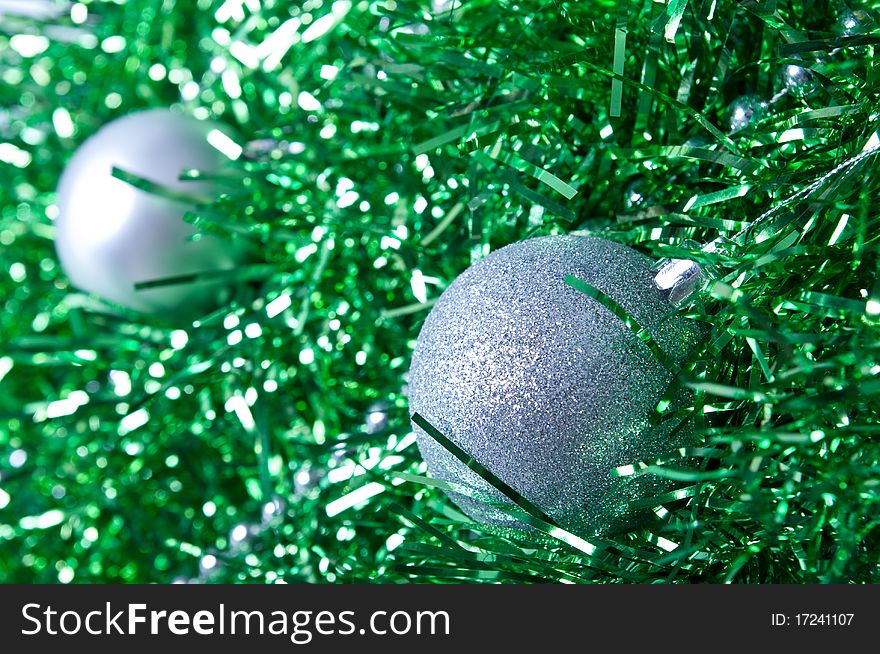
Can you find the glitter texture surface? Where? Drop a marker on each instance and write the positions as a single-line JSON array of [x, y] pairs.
[[545, 386]]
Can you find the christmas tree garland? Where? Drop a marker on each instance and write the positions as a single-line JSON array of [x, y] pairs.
[[386, 146]]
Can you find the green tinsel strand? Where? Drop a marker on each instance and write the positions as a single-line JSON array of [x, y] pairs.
[[387, 146]]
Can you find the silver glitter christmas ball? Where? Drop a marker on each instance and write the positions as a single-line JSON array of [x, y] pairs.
[[110, 235], [545, 386]]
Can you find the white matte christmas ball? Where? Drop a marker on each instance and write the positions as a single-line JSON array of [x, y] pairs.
[[110, 235], [545, 386]]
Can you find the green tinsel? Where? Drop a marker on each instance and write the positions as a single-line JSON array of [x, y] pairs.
[[387, 146]]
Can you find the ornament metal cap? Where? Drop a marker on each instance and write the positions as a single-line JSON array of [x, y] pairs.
[[678, 279]]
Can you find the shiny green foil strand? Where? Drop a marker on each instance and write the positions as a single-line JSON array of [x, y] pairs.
[[384, 146]]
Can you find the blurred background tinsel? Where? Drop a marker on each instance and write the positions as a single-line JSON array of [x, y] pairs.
[[386, 146]]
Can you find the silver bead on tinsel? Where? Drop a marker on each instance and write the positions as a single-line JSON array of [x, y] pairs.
[[209, 565], [797, 80], [307, 478], [241, 534], [634, 195], [273, 509], [852, 22], [377, 417], [698, 141], [743, 110], [545, 386]]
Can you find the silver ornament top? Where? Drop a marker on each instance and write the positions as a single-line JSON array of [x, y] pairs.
[[111, 235], [544, 385], [678, 279]]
